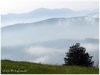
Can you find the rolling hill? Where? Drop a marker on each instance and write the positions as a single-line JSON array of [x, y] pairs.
[[22, 67], [49, 39], [47, 29]]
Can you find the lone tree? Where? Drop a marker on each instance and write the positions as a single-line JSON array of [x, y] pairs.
[[77, 55]]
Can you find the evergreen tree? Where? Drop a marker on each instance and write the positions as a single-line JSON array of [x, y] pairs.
[[77, 55]]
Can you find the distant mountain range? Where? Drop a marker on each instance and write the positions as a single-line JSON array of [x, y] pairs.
[[43, 14], [50, 29], [44, 35]]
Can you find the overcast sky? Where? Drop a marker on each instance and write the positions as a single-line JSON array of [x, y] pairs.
[[21, 6]]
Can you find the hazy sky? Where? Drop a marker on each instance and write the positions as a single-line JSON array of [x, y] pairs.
[[21, 6]]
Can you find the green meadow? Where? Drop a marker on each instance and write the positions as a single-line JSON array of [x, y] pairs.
[[21, 67]]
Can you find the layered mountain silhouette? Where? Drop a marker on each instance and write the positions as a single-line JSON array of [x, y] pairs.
[[44, 35], [44, 13]]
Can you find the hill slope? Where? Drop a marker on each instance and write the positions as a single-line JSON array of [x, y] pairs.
[[15, 67], [48, 29], [40, 41]]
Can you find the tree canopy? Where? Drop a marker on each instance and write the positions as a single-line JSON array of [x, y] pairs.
[[77, 55]]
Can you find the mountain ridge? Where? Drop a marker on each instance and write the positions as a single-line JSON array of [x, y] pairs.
[[51, 19], [40, 14]]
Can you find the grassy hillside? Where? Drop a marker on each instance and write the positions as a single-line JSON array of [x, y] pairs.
[[15, 67]]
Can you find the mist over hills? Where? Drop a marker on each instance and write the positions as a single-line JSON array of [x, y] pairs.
[[43, 14], [44, 35], [48, 51], [48, 29], [38, 41]]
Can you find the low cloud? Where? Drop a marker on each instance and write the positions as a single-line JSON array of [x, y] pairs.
[[40, 54], [46, 55], [43, 59], [91, 47], [41, 50], [54, 55]]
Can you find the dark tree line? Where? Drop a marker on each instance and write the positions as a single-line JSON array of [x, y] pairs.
[[77, 55]]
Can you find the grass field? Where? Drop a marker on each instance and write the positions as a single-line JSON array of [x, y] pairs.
[[21, 67]]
